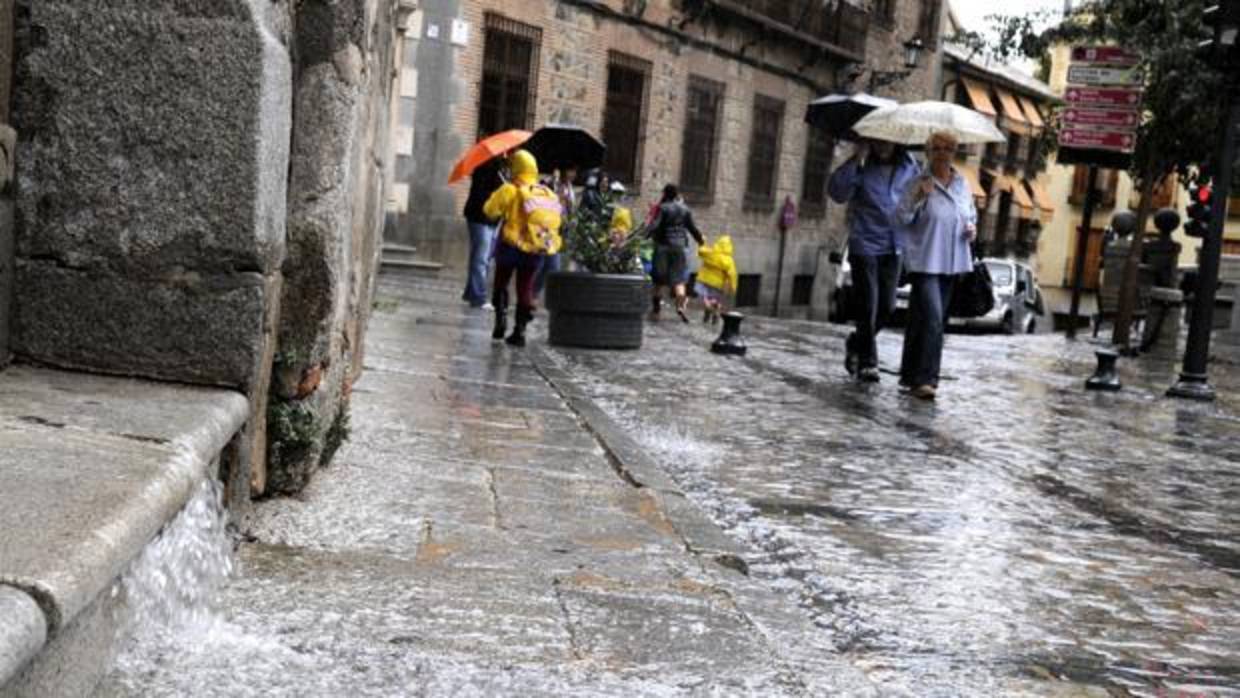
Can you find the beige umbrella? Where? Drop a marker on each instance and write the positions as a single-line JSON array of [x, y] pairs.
[[912, 124]]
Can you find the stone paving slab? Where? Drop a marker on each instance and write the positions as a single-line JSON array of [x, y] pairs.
[[477, 536]]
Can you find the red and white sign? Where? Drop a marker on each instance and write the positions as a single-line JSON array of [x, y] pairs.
[[1104, 55], [1076, 117], [1103, 97], [1123, 141]]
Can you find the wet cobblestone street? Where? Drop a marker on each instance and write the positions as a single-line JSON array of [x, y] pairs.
[[1018, 536]]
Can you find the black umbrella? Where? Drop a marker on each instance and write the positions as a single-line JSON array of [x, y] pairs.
[[560, 146], [837, 113]]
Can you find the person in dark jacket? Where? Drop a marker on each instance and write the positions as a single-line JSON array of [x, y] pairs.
[[672, 226], [484, 181], [871, 182]]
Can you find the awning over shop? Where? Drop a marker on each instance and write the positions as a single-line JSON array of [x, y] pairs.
[[1013, 117], [1042, 200], [969, 172], [1020, 196], [979, 96], [1031, 112]]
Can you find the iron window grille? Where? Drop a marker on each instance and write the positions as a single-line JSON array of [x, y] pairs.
[[624, 122], [698, 151], [748, 290], [768, 118], [817, 172], [508, 92], [802, 289]]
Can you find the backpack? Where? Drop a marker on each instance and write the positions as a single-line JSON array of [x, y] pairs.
[[543, 217]]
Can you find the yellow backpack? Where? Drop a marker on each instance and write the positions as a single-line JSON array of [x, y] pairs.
[[543, 217]]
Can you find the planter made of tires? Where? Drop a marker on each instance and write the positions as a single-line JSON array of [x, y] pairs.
[[596, 311]]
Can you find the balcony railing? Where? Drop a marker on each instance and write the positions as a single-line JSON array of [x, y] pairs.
[[841, 30]]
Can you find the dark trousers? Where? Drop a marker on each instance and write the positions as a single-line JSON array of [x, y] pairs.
[[874, 279], [550, 263], [923, 334], [508, 260]]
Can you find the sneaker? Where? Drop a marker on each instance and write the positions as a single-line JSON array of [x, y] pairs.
[[869, 374], [487, 306], [924, 392]]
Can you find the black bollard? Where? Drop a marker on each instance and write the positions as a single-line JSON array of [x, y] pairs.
[[1106, 377], [730, 341]]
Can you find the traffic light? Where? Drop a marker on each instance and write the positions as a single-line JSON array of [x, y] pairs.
[[1201, 199], [1223, 19]]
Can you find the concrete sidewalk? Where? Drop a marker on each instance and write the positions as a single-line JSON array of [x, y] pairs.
[[484, 533]]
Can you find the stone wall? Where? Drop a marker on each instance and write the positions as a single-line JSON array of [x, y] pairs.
[[572, 81], [344, 54], [156, 192]]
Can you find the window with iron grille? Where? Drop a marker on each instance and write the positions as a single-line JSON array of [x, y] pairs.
[[802, 289], [817, 171], [624, 122], [928, 26], [1013, 152], [748, 290], [885, 12], [768, 119], [506, 96], [698, 154]]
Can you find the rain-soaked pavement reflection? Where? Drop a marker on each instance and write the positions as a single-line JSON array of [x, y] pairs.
[[1019, 536]]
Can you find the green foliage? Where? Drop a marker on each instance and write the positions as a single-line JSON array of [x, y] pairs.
[[291, 431], [336, 435], [588, 241], [1184, 93]]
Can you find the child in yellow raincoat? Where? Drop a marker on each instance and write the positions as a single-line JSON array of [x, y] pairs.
[[717, 278], [531, 232]]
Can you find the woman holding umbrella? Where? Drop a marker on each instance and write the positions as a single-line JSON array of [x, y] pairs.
[[939, 221]]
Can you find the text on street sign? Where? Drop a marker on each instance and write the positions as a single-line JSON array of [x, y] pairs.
[[1103, 97], [1104, 55], [1101, 140], [1116, 119], [1097, 75]]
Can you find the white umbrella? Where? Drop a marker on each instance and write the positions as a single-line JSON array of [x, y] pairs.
[[912, 124]]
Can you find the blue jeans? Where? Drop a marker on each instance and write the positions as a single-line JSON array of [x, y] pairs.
[[481, 235], [923, 334], [874, 280], [550, 263]]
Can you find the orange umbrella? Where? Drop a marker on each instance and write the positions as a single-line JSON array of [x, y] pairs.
[[484, 150]]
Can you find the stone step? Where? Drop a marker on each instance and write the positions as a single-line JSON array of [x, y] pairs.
[[407, 253], [413, 267]]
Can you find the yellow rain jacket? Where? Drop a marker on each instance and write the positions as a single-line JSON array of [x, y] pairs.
[[621, 220], [718, 269], [514, 202]]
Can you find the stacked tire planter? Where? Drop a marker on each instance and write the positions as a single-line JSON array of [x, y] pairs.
[[596, 311]]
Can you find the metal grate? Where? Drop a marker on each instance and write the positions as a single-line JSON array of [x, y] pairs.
[[802, 289], [817, 170], [624, 122], [508, 92], [768, 118], [697, 161], [748, 290]]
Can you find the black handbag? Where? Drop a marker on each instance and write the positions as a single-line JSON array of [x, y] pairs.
[[974, 295]]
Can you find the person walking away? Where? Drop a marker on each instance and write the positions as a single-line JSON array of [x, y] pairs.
[[938, 221], [484, 181], [532, 215], [672, 226], [717, 278], [870, 183]]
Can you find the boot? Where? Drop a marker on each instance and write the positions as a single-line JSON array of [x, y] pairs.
[[500, 301], [656, 304], [517, 338]]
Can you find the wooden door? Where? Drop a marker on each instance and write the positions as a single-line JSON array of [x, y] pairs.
[[1093, 261]]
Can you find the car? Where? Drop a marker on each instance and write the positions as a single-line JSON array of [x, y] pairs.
[[1018, 299]]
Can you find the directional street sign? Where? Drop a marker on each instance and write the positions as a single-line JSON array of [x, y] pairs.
[[1105, 55], [1079, 74], [1123, 141], [1103, 97], [1118, 119]]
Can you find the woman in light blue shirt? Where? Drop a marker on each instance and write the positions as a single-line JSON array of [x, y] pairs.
[[937, 220]]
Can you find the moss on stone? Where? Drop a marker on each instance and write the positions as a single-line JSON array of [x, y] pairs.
[[336, 435], [291, 432]]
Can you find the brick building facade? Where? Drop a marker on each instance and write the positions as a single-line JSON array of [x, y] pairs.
[[709, 94]]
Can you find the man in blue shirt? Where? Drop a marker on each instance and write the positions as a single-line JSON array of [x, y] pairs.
[[871, 182]]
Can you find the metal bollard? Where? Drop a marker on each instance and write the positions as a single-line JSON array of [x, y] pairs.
[[730, 341], [1106, 377]]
